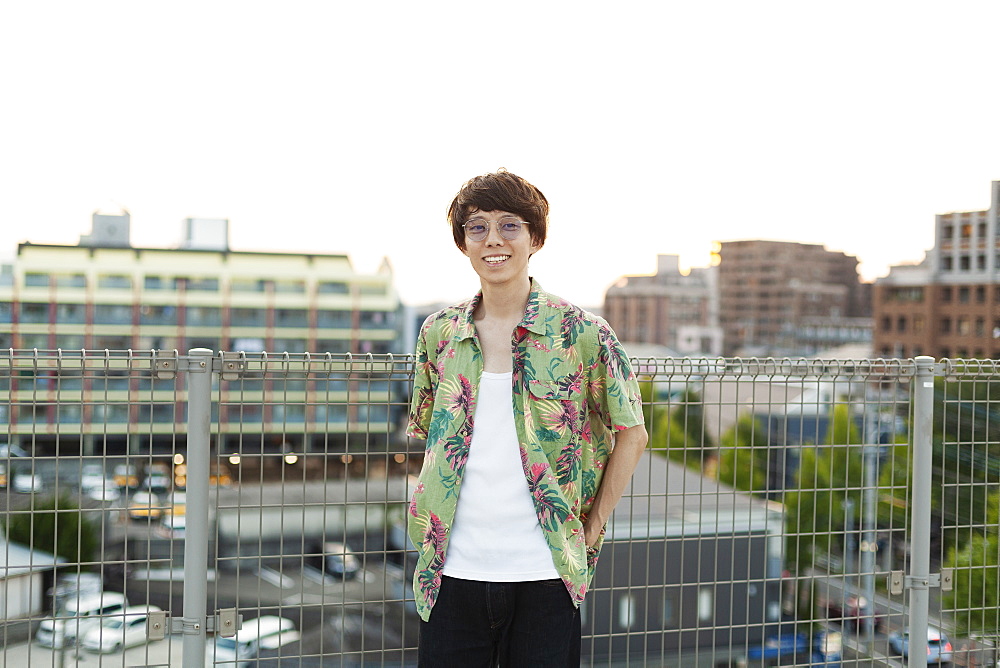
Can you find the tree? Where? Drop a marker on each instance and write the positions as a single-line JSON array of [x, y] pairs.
[[670, 422], [828, 477], [743, 456], [56, 525], [975, 596]]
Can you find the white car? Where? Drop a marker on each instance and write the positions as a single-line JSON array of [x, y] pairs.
[[27, 483], [77, 615], [116, 632], [267, 632]]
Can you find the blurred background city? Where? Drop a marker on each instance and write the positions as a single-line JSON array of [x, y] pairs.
[[731, 185]]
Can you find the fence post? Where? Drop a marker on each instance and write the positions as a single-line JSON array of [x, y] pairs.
[[199, 399], [920, 498]]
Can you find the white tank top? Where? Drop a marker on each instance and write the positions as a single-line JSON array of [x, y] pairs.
[[496, 536]]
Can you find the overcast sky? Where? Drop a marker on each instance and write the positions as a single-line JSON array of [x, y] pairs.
[[652, 127]]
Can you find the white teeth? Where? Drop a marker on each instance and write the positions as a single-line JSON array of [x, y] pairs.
[[496, 259]]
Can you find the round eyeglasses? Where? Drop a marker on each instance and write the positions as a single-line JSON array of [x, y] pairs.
[[478, 229]]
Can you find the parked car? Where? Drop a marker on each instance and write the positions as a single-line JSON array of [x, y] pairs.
[[76, 616], [97, 486], [267, 632], [120, 630], [158, 479], [145, 506], [851, 611], [26, 482], [126, 476], [172, 525], [798, 649], [939, 648], [339, 561]]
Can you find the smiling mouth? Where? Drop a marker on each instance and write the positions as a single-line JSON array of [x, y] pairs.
[[496, 259]]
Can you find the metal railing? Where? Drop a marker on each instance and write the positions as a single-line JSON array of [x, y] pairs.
[[788, 512]]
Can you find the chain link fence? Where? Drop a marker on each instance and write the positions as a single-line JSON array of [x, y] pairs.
[[249, 509]]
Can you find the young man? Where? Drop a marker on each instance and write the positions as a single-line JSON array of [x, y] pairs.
[[534, 427]]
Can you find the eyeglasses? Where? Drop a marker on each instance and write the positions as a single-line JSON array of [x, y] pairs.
[[478, 229]]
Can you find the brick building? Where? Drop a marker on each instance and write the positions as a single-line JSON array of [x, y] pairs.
[[667, 309], [788, 298], [949, 304]]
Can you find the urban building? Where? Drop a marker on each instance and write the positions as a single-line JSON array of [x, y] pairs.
[[105, 294], [948, 305], [785, 298], [669, 308]]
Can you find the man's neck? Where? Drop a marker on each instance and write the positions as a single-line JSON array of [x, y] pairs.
[[504, 302]]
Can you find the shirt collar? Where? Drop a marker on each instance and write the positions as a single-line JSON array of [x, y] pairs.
[[537, 299]]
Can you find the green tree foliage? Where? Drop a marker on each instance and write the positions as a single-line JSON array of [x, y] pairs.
[[58, 526], [743, 456], [966, 443], [671, 421], [975, 596], [828, 476]]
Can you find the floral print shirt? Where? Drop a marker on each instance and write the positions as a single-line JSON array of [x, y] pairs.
[[573, 387]]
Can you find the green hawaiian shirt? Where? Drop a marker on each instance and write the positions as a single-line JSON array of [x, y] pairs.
[[573, 387]]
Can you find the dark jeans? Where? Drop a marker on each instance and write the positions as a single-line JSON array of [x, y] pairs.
[[508, 624]]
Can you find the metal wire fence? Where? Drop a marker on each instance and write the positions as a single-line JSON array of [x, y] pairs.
[[788, 512]]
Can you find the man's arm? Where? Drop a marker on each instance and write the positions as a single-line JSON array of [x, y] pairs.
[[629, 446]]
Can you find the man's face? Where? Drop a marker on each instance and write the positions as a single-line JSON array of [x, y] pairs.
[[496, 259]]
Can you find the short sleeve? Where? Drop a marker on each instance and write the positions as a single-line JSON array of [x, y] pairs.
[[617, 397], [425, 382]]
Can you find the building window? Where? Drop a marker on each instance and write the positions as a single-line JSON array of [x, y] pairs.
[[963, 295], [333, 319], [947, 231], [34, 313], [6, 312], [113, 314], [36, 280], [285, 317], [946, 352], [705, 604], [247, 317], [71, 281], [246, 285], [980, 294], [918, 323], [71, 314], [334, 346], [202, 284], [114, 282], [946, 293], [963, 263], [372, 290], [980, 326], [966, 230], [203, 316], [901, 324], [376, 319], [946, 325], [946, 263], [980, 262], [627, 611], [158, 315], [962, 326], [982, 230], [154, 283], [289, 346], [290, 286], [331, 288]]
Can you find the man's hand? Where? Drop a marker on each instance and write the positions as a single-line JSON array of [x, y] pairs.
[[629, 446]]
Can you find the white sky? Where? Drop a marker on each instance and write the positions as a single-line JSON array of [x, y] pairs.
[[652, 127]]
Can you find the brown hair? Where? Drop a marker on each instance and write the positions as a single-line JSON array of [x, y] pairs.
[[499, 191]]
